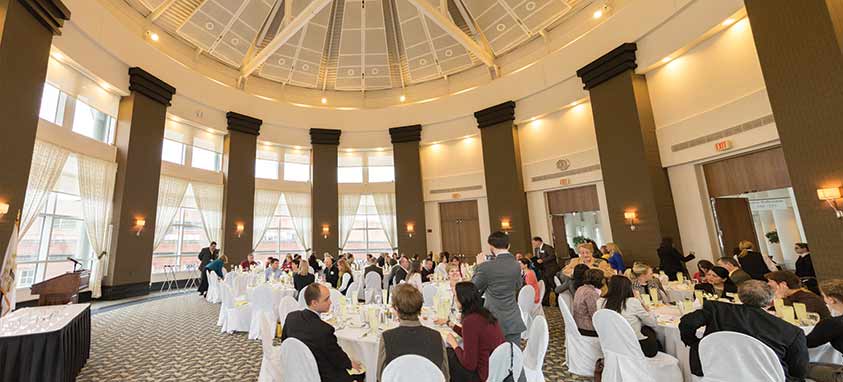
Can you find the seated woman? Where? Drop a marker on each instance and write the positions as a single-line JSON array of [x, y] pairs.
[[481, 334], [828, 331], [703, 266], [718, 282], [345, 275], [571, 284], [586, 251], [643, 281], [788, 287], [303, 277], [620, 297], [287, 265], [414, 275], [529, 277], [585, 301], [615, 258]]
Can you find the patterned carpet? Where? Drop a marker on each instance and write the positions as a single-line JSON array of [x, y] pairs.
[[176, 339]]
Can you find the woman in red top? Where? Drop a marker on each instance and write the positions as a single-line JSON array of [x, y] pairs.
[[529, 277], [480, 332]]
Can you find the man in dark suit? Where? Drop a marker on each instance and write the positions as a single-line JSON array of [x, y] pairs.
[[736, 274], [545, 255], [331, 272], [750, 318], [206, 255], [427, 269], [307, 327], [399, 271], [372, 267]]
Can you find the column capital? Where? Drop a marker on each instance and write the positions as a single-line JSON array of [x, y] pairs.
[[495, 114], [403, 134], [50, 13], [609, 65], [144, 83], [243, 123], [325, 136]]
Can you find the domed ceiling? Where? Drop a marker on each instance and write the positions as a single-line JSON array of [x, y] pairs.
[[355, 45]]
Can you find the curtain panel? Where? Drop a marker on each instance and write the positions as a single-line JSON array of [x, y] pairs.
[[209, 203], [96, 189], [298, 203], [171, 193], [48, 160], [266, 202], [385, 205], [349, 204]]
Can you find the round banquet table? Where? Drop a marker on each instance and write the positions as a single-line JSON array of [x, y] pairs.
[[279, 291], [679, 291], [668, 333]]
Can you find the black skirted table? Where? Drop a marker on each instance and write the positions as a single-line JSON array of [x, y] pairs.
[[47, 343]]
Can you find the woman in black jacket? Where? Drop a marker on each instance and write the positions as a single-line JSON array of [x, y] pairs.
[[671, 261], [754, 263]]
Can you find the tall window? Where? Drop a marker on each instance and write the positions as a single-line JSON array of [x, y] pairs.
[[183, 240], [93, 123], [266, 165], [52, 104], [57, 233], [297, 166], [173, 151], [280, 238], [380, 168], [368, 167], [189, 146], [367, 234], [203, 155], [350, 168], [281, 163]]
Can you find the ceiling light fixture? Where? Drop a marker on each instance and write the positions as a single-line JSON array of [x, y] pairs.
[[402, 98], [324, 100], [598, 13], [152, 36], [728, 22]]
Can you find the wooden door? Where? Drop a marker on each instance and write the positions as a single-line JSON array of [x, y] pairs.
[[560, 236], [460, 228], [734, 222]]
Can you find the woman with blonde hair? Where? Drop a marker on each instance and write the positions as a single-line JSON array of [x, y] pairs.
[[586, 251], [753, 262], [345, 275], [643, 281], [615, 258], [303, 278]]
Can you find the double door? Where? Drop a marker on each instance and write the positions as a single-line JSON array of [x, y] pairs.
[[460, 229]]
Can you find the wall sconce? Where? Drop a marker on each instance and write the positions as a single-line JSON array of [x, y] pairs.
[[4, 209], [631, 218], [140, 223], [239, 228], [411, 229], [506, 225], [326, 230], [830, 195]]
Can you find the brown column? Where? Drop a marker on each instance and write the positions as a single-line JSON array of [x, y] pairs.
[[239, 153], [140, 133], [504, 179], [325, 198], [799, 47], [629, 155], [409, 197], [26, 32]]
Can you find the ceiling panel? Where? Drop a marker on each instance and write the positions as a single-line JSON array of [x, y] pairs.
[[498, 24], [537, 14], [226, 28], [298, 61], [363, 61], [152, 4]]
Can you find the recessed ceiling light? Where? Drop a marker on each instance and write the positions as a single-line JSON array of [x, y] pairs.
[[152, 35], [402, 98], [666, 59], [728, 22], [598, 13], [324, 100]]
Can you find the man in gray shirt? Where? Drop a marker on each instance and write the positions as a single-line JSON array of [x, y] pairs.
[[500, 280]]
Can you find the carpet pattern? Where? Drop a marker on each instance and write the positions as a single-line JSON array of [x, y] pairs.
[[176, 339]]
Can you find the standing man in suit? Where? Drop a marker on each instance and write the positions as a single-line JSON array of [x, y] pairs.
[[500, 280], [307, 327], [736, 274], [546, 256], [206, 255]]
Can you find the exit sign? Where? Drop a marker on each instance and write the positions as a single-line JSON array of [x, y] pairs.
[[723, 145], [564, 181]]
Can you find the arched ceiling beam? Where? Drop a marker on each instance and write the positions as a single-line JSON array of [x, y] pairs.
[[444, 22]]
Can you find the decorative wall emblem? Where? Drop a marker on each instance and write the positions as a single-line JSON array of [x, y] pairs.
[[563, 164]]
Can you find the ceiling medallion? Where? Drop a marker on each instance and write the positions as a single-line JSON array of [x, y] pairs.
[[282, 61], [530, 6], [305, 67], [422, 61], [235, 41], [449, 53], [563, 164], [209, 26], [500, 27]]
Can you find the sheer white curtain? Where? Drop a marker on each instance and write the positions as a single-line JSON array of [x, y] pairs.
[[170, 197], [96, 189], [298, 203], [47, 162], [349, 203], [209, 203], [385, 205], [266, 202]]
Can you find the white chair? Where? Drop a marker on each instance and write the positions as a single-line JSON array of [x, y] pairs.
[[261, 303], [526, 297], [412, 368], [568, 298], [542, 290], [536, 350], [287, 305], [428, 292], [336, 297], [298, 362], [505, 358], [301, 299], [237, 317], [758, 363], [623, 358], [373, 288], [581, 352], [352, 289], [213, 295], [271, 361]]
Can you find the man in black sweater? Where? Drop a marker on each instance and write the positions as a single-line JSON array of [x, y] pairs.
[[331, 272]]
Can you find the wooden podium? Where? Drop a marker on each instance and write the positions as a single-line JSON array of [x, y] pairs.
[[61, 289]]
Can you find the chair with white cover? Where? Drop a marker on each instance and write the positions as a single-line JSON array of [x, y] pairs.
[[271, 361], [505, 358], [287, 305], [353, 289], [581, 352], [237, 316], [428, 292], [336, 297], [568, 298], [373, 288], [526, 297], [412, 368], [542, 291], [213, 295], [298, 362], [623, 358], [301, 299], [536, 349], [361, 290], [262, 312], [758, 363]]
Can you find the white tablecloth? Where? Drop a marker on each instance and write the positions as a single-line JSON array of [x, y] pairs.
[[279, 290], [36, 320], [668, 334], [679, 292]]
